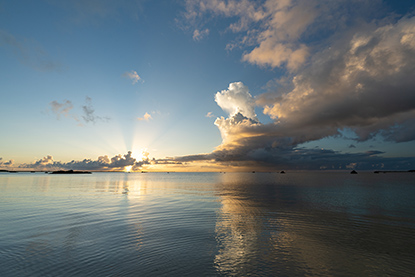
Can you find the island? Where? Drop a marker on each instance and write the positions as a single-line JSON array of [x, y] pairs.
[[394, 171], [70, 172]]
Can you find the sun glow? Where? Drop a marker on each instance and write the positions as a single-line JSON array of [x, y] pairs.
[[128, 168], [140, 155]]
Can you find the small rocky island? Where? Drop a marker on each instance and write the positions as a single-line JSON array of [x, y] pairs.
[[70, 172]]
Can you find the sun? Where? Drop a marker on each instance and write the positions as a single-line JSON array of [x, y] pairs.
[[140, 155], [128, 168]]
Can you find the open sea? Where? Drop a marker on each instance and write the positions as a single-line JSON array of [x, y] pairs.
[[207, 224]]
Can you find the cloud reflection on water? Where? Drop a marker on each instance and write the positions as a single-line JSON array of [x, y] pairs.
[[287, 226]]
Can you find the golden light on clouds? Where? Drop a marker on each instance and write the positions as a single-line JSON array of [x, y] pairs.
[[146, 117]]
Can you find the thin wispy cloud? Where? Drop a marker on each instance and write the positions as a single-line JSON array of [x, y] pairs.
[[133, 76], [63, 108], [29, 52], [200, 34], [87, 114], [209, 114]]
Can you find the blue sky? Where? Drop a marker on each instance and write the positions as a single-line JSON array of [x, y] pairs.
[[207, 85]]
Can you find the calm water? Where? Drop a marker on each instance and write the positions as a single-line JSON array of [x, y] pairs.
[[207, 224]]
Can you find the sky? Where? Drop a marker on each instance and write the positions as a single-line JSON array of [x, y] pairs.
[[207, 85]]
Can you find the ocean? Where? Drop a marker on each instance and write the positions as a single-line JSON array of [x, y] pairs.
[[207, 224]]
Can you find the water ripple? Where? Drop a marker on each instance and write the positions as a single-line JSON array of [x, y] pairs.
[[206, 225]]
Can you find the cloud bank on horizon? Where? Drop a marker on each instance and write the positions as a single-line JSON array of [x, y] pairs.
[[102, 163]]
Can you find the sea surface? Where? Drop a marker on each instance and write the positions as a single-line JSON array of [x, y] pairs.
[[207, 224]]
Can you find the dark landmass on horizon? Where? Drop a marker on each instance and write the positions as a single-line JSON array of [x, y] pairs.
[[395, 171], [70, 172]]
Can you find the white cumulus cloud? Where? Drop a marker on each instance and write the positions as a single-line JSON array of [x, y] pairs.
[[236, 99]]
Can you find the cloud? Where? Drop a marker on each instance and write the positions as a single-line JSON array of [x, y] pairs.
[[6, 164], [347, 68], [273, 28], [281, 33], [46, 160], [276, 54], [133, 76], [210, 114], [199, 35], [61, 108], [361, 82], [365, 83], [29, 52], [146, 117], [118, 162], [236, 99], [87, 111], [296, 158]]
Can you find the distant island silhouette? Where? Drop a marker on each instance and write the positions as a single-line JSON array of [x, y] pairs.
[[70, 172], [394, 171]]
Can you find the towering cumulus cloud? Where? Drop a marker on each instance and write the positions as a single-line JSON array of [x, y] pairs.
[[239, 104]]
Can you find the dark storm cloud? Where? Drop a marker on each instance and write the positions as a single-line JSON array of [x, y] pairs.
[[300, 159]]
